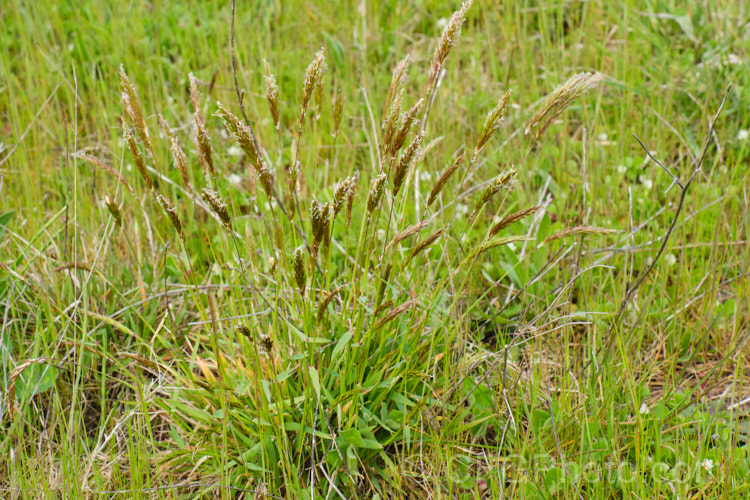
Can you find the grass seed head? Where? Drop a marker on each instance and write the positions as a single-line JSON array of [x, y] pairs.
[[132, 106], [217, 206], [114, 210], [559, 100], [443, 179], [376, 191], [342, 191], [503, 181], [400, 77], [406, 162], [313, 83], [338, 111], [320, 219], [164, 125], [140, 163], [495, 120], [350, 199], [180, 162], [171, 213], [298, 265], [512, 218], [272, 94], [451, 32]]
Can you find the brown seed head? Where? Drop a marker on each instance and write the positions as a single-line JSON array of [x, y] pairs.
[[338, 111], [451, 32], [407, 120], [443, 179], [114, 210], [495, 120], [313, 83], [376, 191], [132, 106], [171, 213], [298, 265], [140, 163], [406, 162], [503, 181], [320, 220], [217, 206], [400, 77], [342, 191], [350, 200], [272, 94], [512, 218], [180, 162], [560, 98]]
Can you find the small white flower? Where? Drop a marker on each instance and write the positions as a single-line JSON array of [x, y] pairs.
[[234, 151], [512, 246], [707, 464], [647, 183], [670, 259], [234, 180], [602, 137], [442, 22], [381, 233], [622, 169], [644, 410], [425, 176], [742, 134], [223, 134], [462, 209], [129, 167]]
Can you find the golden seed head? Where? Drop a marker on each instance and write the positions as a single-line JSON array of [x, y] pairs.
[[392, 121], [298, 265], [400, 77], [241, 133], [140, 163], [313, 83], [338, 111], [407, 160], [217, 206], [132, 106], [495, 120], [171, 213], [342, 191], [320, 220], [180, 162], [560, 98], [203, 146], [451, 32], [376, 191], [512, 218], [503, 181], [443, 179], [195, 98], [272, 94], [114, 210], [407, 120]]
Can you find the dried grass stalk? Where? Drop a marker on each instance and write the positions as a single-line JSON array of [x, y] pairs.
[[559, 99], [443, 179]]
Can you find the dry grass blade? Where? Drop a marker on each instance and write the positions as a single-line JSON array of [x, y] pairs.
[[512, 218], [96, 162], [578, 230], [409, 231], [560, 98], [443, 179]]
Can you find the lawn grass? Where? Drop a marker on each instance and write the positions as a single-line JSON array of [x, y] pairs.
[[125, 365]]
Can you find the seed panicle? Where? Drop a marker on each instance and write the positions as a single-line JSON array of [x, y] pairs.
[[443, 179]]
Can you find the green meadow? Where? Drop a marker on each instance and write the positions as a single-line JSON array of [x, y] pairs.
[[374, 249]]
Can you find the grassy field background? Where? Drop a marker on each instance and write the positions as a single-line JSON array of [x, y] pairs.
[[121, 375]]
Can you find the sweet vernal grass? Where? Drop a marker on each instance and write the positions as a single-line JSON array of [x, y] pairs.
[[376, 297]]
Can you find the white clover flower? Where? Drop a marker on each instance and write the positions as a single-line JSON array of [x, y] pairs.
[[647, 183], [742, 134], [670, 259], [644, 410], [622, 169], [602, 137], [234, 151], [234, 180], [707, 464]]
